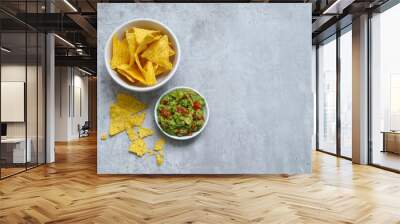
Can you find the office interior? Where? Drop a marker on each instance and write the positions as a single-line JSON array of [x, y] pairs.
[[39, 57], [48, 88], [334, 79], [48, 104], [25, 63]]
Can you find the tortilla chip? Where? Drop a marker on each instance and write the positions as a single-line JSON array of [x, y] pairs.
[[171, 51], [145, 42], [159, 146], [149, 74], [158, 52], [139, 64], [130, 71], [125, 75], [159, 70], [143, 46], [132, 45], [103, 137], [136, 120], [129, 103], [132, 134], [138, 147], [145, 132], [120, 53], [141, 34], [159, 159], [118, 116], [151, 153]]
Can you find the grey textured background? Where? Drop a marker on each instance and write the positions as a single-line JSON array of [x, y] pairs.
[[253, 64]]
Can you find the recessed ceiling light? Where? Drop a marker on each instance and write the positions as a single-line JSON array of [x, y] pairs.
[[70, 5], [338, 6], [5, 50], [64, 40], [84, 71]]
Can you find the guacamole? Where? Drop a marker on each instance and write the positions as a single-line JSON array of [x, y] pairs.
[[181, 112]]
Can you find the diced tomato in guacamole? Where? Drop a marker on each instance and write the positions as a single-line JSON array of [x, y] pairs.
[[181, 112]]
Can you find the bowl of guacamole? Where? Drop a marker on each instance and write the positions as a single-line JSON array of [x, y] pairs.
[[181, 113]]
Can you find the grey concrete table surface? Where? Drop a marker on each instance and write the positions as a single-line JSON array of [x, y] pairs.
[[253, 64]]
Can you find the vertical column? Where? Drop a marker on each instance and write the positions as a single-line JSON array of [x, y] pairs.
[[50, 92], [360, 90], [338, 91], [314, 88]]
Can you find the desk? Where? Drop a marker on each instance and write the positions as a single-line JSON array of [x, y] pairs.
[[391, 141], [17, 150]]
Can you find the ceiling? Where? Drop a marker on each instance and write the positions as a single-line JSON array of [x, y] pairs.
[[76, 21]]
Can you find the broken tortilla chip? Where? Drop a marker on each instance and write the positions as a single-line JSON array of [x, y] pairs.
[[118, 117], [138, 147], [132, 134], [144, 132], [159, 159], [103, 137], [137, 119], [159, 145]]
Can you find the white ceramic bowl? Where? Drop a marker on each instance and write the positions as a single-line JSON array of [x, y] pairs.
[[149, 24], [207, 111]]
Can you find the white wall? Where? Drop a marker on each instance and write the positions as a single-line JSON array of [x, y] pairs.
[[9, 73], [34, 125], [16, 72], [70, 83], [61, 103]]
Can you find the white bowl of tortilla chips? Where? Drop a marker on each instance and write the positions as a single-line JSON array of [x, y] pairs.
[[142, 55]]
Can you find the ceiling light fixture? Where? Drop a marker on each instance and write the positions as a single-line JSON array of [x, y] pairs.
[[70, 5], [64, 40], [5, 50], [337, 7], [84, 71]]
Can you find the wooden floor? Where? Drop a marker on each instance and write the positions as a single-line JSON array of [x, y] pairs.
[[70, 191], [386, 159], [5, 172]]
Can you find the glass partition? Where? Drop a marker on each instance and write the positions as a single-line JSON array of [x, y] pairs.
[[31, 97], [327, 96], [22, 88], [385, 89], [346, 93], [13, 94]]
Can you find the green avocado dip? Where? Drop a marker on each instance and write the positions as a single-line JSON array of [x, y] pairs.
[[181, 112]]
